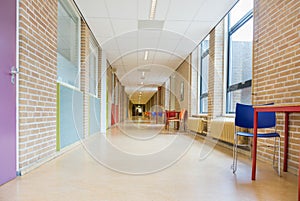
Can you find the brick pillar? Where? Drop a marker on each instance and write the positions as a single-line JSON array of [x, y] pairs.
[[216, 73], [102, 89], [100, 72], [84, 75], [194, 83], [37, 81]]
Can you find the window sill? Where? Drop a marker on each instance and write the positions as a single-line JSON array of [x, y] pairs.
[[199, 115]]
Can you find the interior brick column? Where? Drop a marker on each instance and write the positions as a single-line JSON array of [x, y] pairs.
[[84, 75], [216, 74], [37, 81]]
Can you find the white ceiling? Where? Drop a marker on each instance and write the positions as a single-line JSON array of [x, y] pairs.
[[178, 27]]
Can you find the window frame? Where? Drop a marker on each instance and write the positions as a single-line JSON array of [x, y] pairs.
[[69, 6], [202, 56], [243, 84]]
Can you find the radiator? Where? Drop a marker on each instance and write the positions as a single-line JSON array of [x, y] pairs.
[[222, 129], [197, 125]]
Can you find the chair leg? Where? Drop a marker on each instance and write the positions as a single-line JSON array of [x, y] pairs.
[[167, 125], [279, 165], [234, 162], [274, 152], [278, 157], [250, 143]]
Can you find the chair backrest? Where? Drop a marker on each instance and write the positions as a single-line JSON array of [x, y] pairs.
[[182, 114], [170, 113], [160, 114], [244, 117], [153, 114]]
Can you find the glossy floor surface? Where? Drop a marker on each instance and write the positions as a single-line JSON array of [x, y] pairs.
[[141, 161]]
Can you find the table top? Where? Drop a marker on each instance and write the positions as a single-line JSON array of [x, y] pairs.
[[286, 107], [278, 105]]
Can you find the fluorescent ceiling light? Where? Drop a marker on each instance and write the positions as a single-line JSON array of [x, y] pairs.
[[153, 9], [143, 75], [146, 55]]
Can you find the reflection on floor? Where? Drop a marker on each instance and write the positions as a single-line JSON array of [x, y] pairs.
[[139, 161]]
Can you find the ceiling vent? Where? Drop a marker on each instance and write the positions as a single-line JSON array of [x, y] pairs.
[[151, 24]]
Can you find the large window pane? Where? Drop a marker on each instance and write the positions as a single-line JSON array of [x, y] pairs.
[[239, 10], [238, 96], [204, 105], [68, 45], [204, 65], [240, 55], [205, 44], [204, 74], [240, 61]]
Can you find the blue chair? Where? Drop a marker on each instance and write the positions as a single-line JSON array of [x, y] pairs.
[[244, 119], [153, 116], [160, 114]]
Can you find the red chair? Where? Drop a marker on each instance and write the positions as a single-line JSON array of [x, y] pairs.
[[172, 116], [147, 115]]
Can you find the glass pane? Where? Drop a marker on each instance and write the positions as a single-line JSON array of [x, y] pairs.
[[239, 11], [240, 60], [238, 96], [204, 74], [205, 44], [68, 46], [204, 105]]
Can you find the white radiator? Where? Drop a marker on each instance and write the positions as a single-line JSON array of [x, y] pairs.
[[197, 125], [222, 129]]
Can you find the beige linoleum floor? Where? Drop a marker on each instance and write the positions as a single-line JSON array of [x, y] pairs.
[[142, 162]]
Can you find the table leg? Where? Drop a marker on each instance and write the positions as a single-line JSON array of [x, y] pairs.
[[254, 145], [286, 142]]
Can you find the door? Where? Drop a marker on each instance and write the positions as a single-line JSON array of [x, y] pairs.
[[7, 91]]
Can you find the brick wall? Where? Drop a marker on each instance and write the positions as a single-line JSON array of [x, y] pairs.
[[182, 76], [84, 74], [215, 73], [37, 80], [109, 88], [194, 82], [276, 64]]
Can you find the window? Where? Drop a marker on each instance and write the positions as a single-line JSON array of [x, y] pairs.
[[204, 65], [93, 67], [239, 75], [68, 44]]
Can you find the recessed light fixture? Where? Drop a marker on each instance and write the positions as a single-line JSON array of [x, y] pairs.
[[153, 9], [142, 83], [146, 55]]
